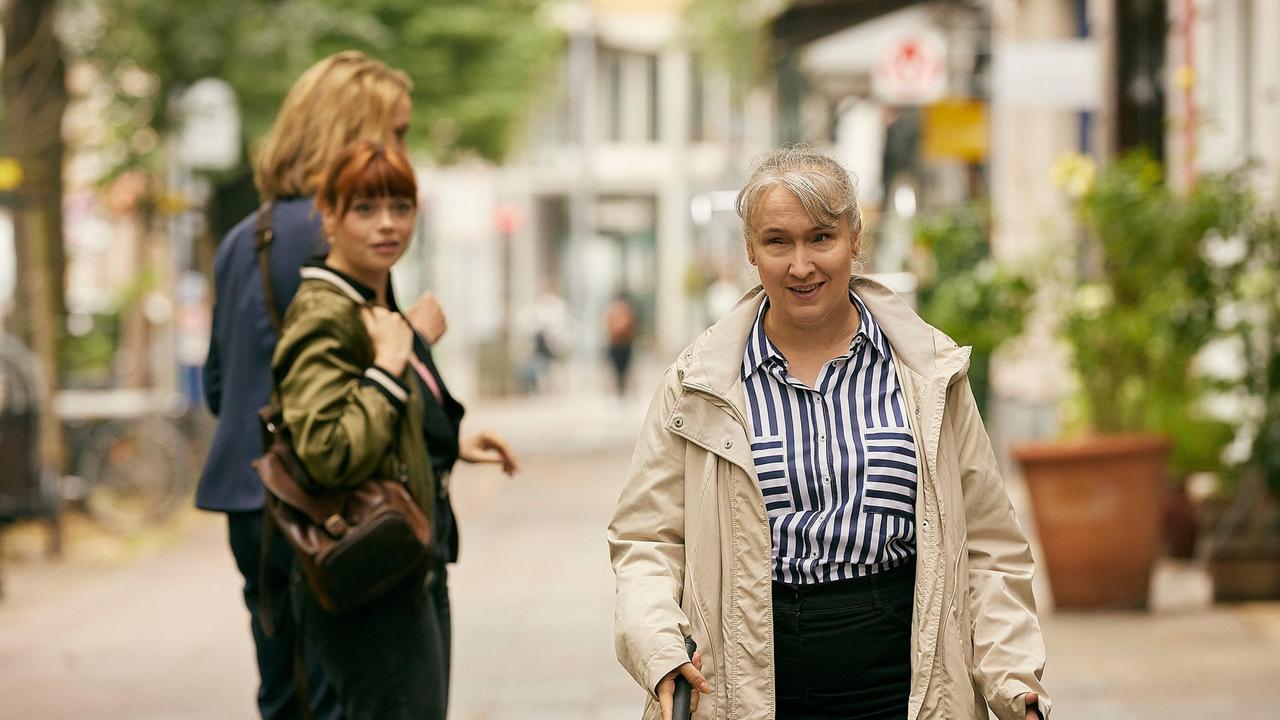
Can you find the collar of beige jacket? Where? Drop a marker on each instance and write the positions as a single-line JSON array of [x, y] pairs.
[[714, 360]]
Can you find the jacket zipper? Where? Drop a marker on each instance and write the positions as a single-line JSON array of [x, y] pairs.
[[721, 662]]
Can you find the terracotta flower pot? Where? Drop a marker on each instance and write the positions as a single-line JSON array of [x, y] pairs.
[[1098, 506]]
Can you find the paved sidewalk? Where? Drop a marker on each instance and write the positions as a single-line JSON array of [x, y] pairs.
[[1219, 663], [161, 634], [562, 426]]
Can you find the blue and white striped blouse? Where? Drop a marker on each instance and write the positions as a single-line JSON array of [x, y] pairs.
[[837, 462]]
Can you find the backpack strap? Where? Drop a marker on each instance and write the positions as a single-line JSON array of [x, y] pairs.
[[264, 235], [273, 590]]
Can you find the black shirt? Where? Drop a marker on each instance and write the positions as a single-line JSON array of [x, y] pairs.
[[441, 421]]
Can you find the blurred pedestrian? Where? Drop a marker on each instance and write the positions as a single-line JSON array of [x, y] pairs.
[[620, 330], [546, 322], [339, 99], [360, 390], [814, 499]]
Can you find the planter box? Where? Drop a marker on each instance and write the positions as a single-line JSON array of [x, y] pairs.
[[1241, 577], [1244, 548], [1098, 506]]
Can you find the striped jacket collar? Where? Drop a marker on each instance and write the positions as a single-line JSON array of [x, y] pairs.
[[359, 293], [760, 349]]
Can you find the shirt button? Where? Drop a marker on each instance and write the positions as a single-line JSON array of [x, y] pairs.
[[679, 422], [728, 444]]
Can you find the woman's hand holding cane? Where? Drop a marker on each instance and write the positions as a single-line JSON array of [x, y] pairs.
[[690, 671]]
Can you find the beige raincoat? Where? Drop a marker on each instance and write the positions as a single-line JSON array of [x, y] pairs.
[[691, 547]]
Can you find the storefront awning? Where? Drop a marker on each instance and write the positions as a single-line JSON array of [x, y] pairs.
[[807, 20]]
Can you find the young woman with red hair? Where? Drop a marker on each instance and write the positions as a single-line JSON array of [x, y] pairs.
[[363, 398]]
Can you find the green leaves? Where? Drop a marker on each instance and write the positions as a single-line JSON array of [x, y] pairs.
[[1150, 303], [963, 291], [476, 65], [732, 36]]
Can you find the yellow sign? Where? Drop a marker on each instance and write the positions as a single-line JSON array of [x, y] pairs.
[[956, 130], [10, 174]]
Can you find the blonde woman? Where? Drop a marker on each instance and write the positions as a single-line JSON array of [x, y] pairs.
[[342, 98], [814, 499]]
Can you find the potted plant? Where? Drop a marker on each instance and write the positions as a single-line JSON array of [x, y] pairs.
[[1243, 548], [1145, 308]]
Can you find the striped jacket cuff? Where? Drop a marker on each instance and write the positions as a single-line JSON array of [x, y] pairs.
[[389, 385]]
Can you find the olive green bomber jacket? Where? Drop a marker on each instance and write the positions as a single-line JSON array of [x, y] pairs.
[[350, 419]]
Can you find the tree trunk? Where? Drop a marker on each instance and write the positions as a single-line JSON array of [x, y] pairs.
[[35, 98]]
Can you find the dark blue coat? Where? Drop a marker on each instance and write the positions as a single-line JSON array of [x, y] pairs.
[[237, 374]]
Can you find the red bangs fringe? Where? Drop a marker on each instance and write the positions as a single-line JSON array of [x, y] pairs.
[[369, 169]]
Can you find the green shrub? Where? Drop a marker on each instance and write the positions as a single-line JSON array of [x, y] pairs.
[[963, 292], [1148, 303]]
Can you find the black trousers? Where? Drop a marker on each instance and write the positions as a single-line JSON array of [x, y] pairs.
[[842, 650], [389, 660], [276, 697]]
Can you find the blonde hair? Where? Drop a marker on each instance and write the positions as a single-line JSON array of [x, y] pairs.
[[821, 184], [342, 98]]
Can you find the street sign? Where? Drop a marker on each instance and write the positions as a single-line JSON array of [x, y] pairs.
[[956, 129], [912, 69], [1055, 74], [10, 174]]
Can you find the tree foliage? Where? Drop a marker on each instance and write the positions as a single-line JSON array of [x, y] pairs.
[[964, 292], [733, 36], [474, 63]]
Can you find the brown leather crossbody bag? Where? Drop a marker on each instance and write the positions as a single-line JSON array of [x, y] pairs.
[[352, 545]]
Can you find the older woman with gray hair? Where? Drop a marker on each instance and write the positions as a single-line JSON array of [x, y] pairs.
[[814, 500]]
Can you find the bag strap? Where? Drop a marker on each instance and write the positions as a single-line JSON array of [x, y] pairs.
[[264, 235], [269, 617], [322, 512], [301, 687], [269, 585], [269, 589], [292, 486]]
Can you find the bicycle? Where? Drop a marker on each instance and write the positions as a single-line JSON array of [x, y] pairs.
[[132, 467]]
